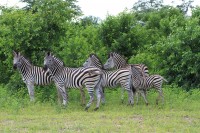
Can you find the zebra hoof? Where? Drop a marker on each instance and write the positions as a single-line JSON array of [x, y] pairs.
[[86, 108], [96, 108], [156, 102], [130, 104], [63, 106], [147, 104], [82, 104]]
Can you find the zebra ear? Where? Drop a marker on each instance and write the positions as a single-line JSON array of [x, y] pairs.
[[15, 53], [48, 53], [111, 54], [92, 54]]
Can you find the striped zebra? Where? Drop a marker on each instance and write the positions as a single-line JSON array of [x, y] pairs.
[[31, 75], [141, 83], [65, 77], [117, 61], [34, 75], [113, 78]]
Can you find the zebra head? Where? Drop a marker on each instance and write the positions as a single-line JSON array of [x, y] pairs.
[[51, 62], [115, 60], [48, 61], [93, 60], [16, 60], [110, 62], [88, 62]]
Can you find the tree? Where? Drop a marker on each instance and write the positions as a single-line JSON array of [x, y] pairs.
[[90, 20], [185, 5], [122, 34], [179, 54], [33, 33], [147, 5], [65, 5]]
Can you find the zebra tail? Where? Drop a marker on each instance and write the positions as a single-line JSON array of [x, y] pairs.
[[133, 88], [164, 79], [131, 80]]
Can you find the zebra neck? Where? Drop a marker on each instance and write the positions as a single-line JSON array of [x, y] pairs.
[[25, 69], [121, 66], [56, 70]]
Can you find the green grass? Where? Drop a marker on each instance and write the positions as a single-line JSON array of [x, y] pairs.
[[180, 113]]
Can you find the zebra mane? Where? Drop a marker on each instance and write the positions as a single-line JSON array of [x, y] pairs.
[[24, 58], [95, 56], [59, 60], [139, 73], [115, 54]]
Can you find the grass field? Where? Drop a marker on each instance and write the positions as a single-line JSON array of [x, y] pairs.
[[180, 113]]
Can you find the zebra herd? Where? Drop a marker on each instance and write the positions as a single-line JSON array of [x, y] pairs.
[[94, 76]]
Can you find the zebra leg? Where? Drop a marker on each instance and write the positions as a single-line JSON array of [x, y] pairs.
[[122, 95], [130, 97], [91, 93], [137, 97], [101, 89], [143, 93], [62, 92], [160, 95], [59, 96], [82, 96], [30, 87], [102, 95], [98, 94]]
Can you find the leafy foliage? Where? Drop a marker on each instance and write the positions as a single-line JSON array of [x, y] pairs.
[[162, 37]]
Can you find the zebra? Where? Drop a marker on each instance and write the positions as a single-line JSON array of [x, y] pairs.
[[113, 78], [34, 75], [143, 83], [115, 60], [66, 77], [31, 75]]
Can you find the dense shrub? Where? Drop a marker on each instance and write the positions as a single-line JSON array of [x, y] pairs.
[[164, 39]]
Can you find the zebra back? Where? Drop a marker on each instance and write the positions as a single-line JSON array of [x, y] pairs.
[[120, 62], [71, 77], [41, 77], [141, 82], [109, 78], [29, 72]]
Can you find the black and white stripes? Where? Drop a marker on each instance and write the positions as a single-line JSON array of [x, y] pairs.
[[65, 77], [117, 61], [31, 75], [143, 83], [113, 78], [93, 76], [140, 75]]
